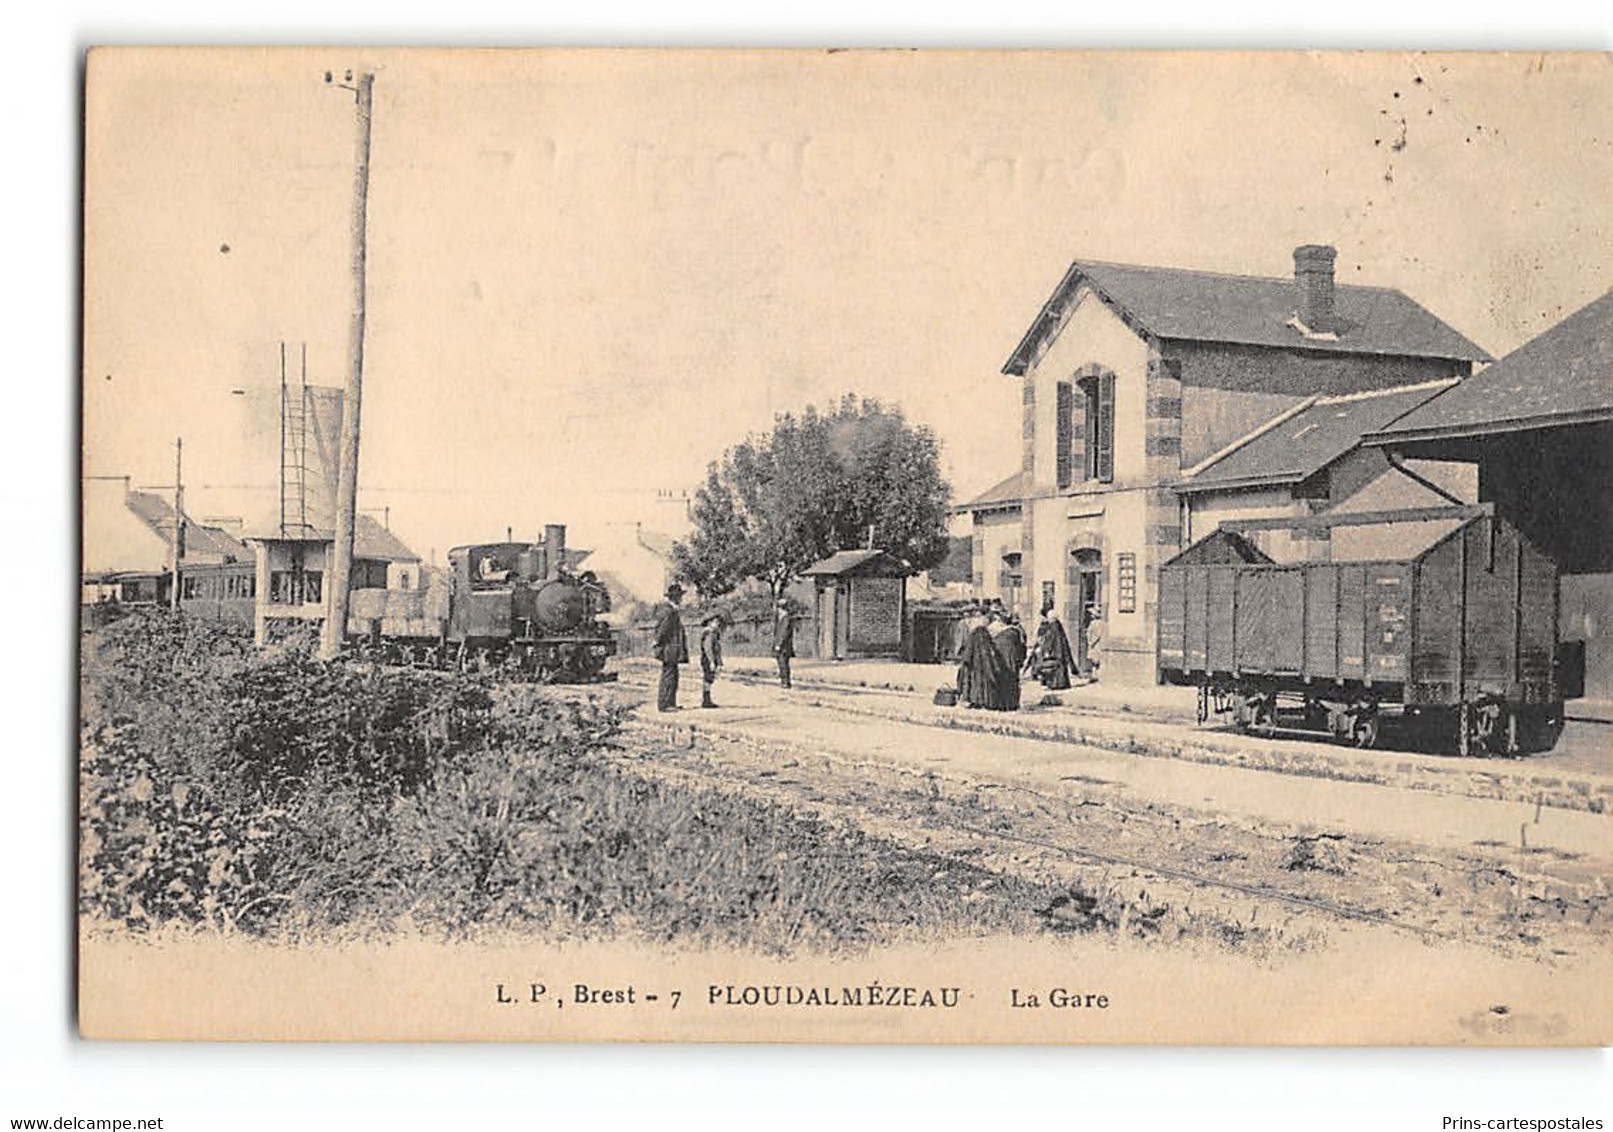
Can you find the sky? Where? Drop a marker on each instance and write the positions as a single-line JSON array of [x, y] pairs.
[[591, 272]]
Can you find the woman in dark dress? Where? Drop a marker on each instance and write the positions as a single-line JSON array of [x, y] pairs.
[[982, 675], [1009, 640], [1051, 661]]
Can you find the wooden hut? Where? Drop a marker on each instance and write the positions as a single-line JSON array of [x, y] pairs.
[[860, 597]]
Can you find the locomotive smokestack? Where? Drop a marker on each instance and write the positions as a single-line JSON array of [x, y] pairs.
[[554, 547]]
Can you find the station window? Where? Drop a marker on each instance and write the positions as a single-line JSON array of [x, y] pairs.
[[1099, 392], [1126, 582]]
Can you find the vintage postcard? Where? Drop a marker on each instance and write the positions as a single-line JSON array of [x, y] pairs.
[[847, 546]]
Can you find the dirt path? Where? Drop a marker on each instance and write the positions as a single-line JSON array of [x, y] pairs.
[[1162, 845]]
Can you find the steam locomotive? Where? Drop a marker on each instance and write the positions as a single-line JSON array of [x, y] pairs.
[[510, 606]]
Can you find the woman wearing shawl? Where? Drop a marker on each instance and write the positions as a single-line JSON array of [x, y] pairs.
[[1009, 640], [982, 679], [1051, 660]]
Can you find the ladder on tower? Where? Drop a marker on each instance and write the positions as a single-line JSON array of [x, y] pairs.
[[294, 450]]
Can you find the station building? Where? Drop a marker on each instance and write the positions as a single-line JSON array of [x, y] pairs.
[[1131, 375]]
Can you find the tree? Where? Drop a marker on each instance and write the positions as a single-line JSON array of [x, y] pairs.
[[856, 476]]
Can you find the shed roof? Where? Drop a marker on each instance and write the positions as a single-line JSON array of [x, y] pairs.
[[370, 540], [1204, 306], [1296, 445], [863, 563], [1005, 493], [1563, 376]]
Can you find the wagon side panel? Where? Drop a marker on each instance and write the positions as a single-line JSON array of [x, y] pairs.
[[1221, 597], [1489, 658], [1287, 618], [1388, 622], [1173, 617], [1436, 649], [1254, 623], [1352, 623], [1322, 621], [1197, 630]]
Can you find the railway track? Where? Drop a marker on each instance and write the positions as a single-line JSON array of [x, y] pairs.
[[982, 840], [1093, 833]]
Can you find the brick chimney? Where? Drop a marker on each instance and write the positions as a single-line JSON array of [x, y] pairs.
[[1313, 278]]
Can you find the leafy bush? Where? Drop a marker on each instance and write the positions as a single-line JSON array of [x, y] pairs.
[[223, 786], [269, 793]]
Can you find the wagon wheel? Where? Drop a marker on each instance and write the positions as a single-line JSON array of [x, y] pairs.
[[1266, 716], [1488, 732], [1242, 715], [1364, 731], [1315, 715]]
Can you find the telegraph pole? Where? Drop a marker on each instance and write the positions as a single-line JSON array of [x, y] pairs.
[[341, 568], [179, 518]]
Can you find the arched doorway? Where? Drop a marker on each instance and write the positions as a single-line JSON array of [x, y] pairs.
[[1084, 612]]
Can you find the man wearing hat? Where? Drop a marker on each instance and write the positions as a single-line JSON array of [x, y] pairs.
[[671, 648], [710, 656], [784, 639]]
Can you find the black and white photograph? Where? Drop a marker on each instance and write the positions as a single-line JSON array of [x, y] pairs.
[[846, 546]]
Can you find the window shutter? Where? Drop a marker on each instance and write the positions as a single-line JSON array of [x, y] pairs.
[[1066, 410], [1089, 414], [1106, 427]]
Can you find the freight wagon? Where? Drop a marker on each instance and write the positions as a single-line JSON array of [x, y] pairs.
[[1444, 617]]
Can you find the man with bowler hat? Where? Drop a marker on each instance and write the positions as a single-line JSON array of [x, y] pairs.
[[671, 649]]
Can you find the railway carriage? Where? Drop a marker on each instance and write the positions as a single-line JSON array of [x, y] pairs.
[[1445, 617]]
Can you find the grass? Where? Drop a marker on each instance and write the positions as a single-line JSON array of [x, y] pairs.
[[271, 795]]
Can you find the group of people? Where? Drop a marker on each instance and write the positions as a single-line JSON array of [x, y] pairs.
[[672, 648], [994, 656]]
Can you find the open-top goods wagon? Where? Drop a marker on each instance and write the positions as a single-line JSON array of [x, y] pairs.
[[1444, 616]]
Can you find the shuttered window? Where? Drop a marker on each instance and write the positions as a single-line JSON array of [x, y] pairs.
[[1106, 428], [1100, 431], [1066, 422]]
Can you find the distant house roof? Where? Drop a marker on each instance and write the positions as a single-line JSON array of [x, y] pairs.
[[1563, 376], [1301, 442], [999, 496], [158, 514], [862, 563], [656, 543], [370, 540], [1203, 306]]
